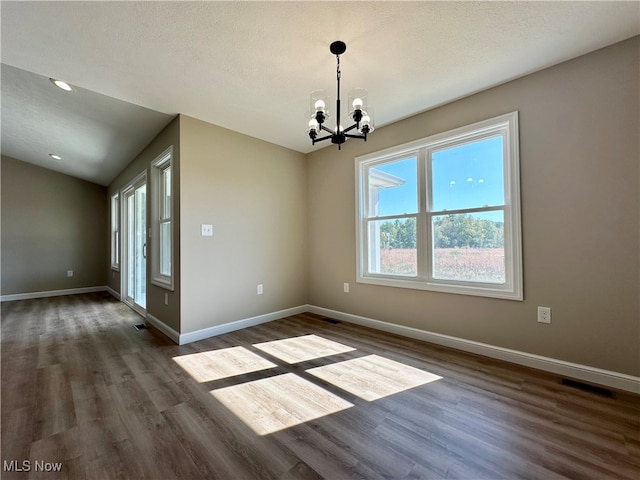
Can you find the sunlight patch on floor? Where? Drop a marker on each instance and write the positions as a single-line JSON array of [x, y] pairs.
[[224, 363], [373, 377], [301, 349], [275, 403]]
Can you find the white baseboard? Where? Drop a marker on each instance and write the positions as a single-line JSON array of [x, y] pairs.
[[164, 328], [53, 293], [576, 371], [112, 292], [239, 324]]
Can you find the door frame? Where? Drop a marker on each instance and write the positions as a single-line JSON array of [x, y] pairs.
[[126, 192]]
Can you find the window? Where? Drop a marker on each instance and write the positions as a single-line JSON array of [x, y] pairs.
[[115, 231], [443, 213], [162, 211], [165, 221]]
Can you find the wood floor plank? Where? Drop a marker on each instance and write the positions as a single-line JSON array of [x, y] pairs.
[[298, 398], [64, 448], [54, 410], [258, 458]]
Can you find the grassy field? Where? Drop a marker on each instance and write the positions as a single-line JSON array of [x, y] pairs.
[[472, 264]]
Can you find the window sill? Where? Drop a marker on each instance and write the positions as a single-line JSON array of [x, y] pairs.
[[484, 290], [162, 283]]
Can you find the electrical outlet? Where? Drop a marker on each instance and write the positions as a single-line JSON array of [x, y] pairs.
[[345, 287], [206, 230], [166, 299], [544, 314], [260, 289], [69, 273]]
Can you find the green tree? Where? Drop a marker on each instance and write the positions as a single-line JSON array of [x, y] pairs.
[[466, 231], [399, 233], [450, 231]]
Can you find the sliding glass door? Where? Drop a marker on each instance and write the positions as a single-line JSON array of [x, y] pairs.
[[135, 245]]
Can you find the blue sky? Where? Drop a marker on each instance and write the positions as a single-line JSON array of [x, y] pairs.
[[464, 176]]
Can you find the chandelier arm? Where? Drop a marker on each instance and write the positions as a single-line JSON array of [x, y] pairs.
[[355, 125], [326, 137], [350, 135], [326, 129]]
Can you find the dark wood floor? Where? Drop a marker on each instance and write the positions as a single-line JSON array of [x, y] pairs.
[[82, 387]]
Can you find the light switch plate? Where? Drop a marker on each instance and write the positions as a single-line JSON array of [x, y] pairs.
[[207, 230]]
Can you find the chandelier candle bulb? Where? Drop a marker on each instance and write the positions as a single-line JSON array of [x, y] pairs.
[[320, 106], [365, 125], [357, 104]]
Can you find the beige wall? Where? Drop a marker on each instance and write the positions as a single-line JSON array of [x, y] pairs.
[[255, 195], [580, 161], [170, 136], [51, 223]]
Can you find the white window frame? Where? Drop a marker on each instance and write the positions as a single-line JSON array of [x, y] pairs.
[[505, 125], [159, 217], [115, 232]]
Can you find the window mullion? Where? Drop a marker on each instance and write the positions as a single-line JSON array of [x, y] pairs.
[[423, 233], [392, 217], [492, 208]]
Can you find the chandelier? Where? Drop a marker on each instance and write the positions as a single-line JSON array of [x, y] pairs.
[[319, 110]]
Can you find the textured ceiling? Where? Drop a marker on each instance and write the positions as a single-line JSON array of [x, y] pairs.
[[249, 66], [96, 135]]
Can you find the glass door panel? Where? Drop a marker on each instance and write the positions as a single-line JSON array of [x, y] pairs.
[[140, 266], [135, 223]]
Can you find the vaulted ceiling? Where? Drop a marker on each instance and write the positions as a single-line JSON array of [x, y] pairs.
[[249, 66]]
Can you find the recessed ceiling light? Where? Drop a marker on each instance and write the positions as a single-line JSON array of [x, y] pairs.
[[55, 157], [62, 85]]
